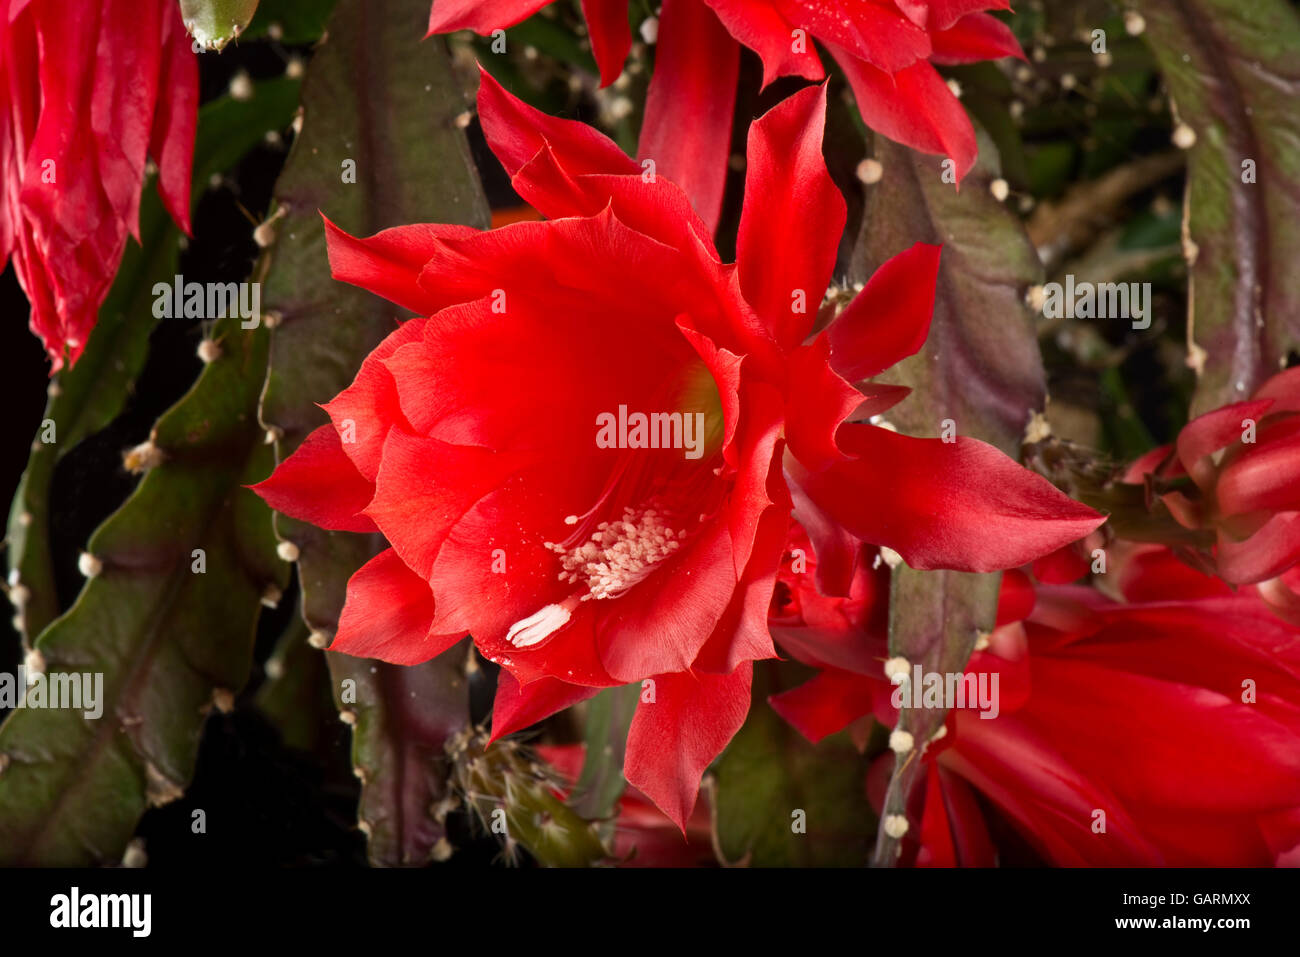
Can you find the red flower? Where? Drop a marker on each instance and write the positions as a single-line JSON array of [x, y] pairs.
[[86, 91], [1176, 715], [1235, 472], [495, 446], [885, 47]]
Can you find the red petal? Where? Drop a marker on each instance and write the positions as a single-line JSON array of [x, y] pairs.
[[175, 118], [878, 34], [369, 406], [1016, 598], [660, 210], [661, 625], [519, 706], [389, 262], [940, 14], [319, 484], [1105, 720], [673, 740], [1208, 433], [913, 107], [611, 35], [835, 548], [759, 516], [762, 28], [962, 505], [481, 16], [516, 133], [388, 615], [1063, 566], [1050, 800], [567, 261], [792, 216], [889, 319], [826, 704], [688, 113], [972, 845], [975, 38], [817, 403], [1263, 477], [415, 504], [1269, 552], [1284, 390], [1152, 573]]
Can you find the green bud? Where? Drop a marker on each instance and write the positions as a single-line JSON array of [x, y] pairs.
[[214, 23]]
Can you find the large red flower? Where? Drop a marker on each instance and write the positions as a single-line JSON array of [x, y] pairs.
[[581, 455], [1176, 714], [1235, 473], [87, 91], [886, 48]]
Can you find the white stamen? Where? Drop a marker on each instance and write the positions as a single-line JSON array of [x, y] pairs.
[[619, 554], [539, 626]]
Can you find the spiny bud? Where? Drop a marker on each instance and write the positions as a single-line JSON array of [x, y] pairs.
[[214, 23]]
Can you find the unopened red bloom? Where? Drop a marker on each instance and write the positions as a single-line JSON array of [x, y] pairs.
[[886, 48], [1235, 473], [1161, 730], [87, 91], [583, 456]]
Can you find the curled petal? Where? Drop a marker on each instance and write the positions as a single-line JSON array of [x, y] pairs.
[[319, 484], [389, 615], [889, 319], [792, 217], [975, 38], [961, 505]]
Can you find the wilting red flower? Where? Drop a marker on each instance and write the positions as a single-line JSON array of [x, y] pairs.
[[87, 90], [885, 47], [1235, 472], [495, 443], [1175, 714]]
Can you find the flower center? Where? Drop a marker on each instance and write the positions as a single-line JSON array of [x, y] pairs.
[[608, 559], [619, 554]]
